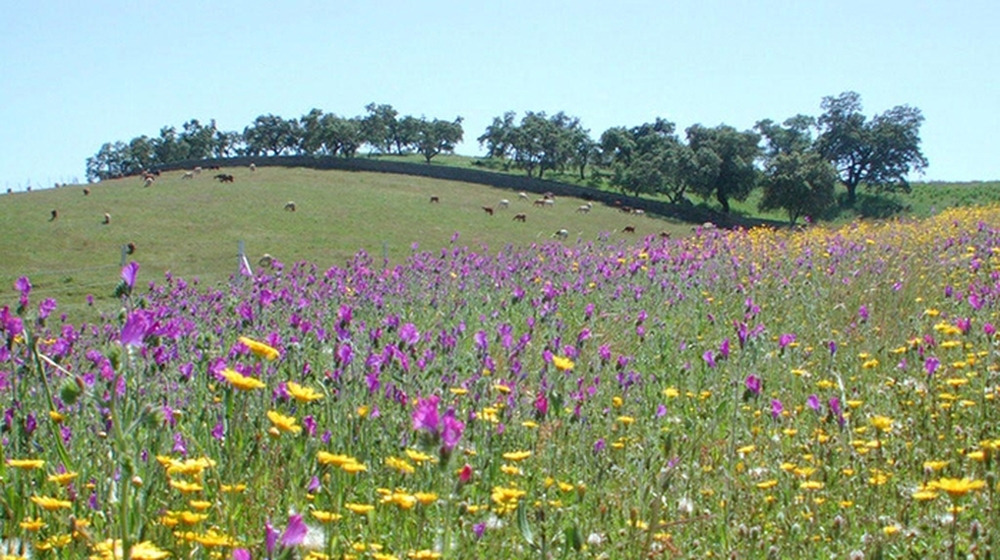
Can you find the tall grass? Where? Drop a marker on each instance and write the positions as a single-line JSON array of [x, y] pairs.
[[826, 393]]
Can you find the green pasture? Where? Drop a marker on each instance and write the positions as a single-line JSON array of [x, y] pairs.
[[191, 228]]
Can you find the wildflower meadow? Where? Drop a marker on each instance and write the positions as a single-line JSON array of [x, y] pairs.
[[747, 394]]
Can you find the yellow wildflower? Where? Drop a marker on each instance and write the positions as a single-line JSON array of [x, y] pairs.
[[353, 467], [302, 394], [26, 464], [418, 456], [326, 516], [883, 423], [957, 487], [562, 364], [240, 381], [283, 423], [185, 487], [63, 478], [360, 509], [517, 455], [400, 465], [260, 349], [50, 504], [30, 524], [326, 458]]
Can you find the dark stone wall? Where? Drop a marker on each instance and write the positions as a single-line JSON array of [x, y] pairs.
[[514, 183]]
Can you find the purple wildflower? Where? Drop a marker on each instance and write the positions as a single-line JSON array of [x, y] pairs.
[[785, 339], [451, 430], [46, 307], [709, 358], [129, 273], [295, 532], [931, 364], [23, 285], [135, 329], [409, 334], [813, 402], [753, 384], [776, 408], [425, 417], [541, 405], [270, 538], [481, 341]]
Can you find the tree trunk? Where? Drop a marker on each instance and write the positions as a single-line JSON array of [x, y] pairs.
[[852, 194], [720, 195]]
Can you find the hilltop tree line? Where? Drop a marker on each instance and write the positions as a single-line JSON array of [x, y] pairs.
[[314, 134], [797, 163]]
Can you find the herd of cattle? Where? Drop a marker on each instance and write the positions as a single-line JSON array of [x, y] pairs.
[[548, 200]]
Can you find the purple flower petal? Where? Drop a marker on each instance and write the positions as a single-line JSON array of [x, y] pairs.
[[129, 273], [295, 532]]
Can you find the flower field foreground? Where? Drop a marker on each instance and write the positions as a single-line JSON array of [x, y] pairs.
[[764, 394]]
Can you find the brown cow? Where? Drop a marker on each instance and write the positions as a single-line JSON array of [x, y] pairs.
[[488, 210], [520, 218]]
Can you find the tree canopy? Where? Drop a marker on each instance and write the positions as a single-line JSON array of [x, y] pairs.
[[790, 161], [879, 152], [723, 163]]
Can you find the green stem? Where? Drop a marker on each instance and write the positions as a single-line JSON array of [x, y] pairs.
[[36, 357]]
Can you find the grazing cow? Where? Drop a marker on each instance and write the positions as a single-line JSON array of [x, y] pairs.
[[540, 202], [504, 203], [584, 208], [86, 191], [522, 196], [561, 234], [266, 261], [664, 235], [55, 214], [107, 219], [520, 218], [225, 178], [147, 181], [253, 166], [549, 195], [197, 170], [188, 175], [628, 229], [435, 200], [130, 248], [488, 210], [290, 206], [639, 212]]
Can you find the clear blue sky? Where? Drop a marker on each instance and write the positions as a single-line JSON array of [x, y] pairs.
[[74, 75]]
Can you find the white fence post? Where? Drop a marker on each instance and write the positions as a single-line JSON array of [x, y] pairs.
[[242, 264]]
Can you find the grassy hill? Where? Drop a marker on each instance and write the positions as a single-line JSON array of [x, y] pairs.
[[192, 228]]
